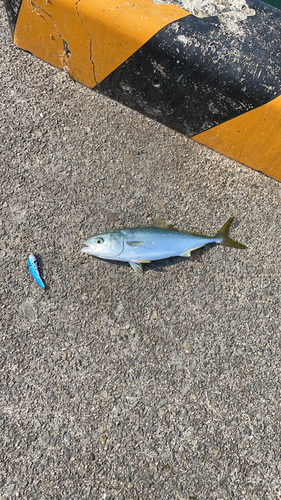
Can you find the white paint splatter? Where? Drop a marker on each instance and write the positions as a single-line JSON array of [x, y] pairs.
[[228, 12]]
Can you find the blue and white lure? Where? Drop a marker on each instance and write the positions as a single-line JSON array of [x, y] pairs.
[[33, 268]]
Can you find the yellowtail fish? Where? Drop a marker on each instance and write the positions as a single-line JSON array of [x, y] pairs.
[[159, 241]]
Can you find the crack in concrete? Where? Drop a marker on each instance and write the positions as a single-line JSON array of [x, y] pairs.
[[91, 41], [37, 9], [66, 49]]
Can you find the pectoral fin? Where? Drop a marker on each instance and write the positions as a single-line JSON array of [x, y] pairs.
[[137, 266], [135, 243]]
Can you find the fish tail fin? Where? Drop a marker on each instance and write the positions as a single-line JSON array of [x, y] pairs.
[[223, 238]]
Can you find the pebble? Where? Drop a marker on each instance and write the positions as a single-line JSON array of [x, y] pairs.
[[103, 439], [215, 451], [45, 439], [44, 320], [29, 311], [187, 346], [11, 488], [112, 216], [130, 360], [247, 430], [162, 403]]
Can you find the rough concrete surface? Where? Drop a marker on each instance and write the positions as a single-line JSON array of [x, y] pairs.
[[115, 386]]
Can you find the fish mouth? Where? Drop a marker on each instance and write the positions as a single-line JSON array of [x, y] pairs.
[[86, 249]]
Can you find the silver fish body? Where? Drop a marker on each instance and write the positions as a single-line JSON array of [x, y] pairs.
[[145, 244]]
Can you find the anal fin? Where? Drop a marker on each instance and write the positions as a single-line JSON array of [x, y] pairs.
[[137, 266], [186, 254]]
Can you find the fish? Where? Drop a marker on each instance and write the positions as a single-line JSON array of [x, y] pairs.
[[33, 268], [147, 243]]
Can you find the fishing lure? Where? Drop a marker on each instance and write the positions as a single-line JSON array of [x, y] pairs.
[[33, 268]]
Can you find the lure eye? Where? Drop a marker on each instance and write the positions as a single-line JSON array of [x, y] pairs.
[[99, 240]]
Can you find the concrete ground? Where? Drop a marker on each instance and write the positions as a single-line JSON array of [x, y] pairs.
[[115, 386]]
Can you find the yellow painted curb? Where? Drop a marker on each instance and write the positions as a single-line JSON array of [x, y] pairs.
[[253, 138], [89, 38]]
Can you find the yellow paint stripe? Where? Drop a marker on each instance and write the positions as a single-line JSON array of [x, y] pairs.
[[253, 138], [100, 34]]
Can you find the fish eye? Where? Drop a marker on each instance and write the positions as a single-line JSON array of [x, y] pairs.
[[99, 240]]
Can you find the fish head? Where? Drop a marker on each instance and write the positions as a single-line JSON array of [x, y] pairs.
[[107, 245]]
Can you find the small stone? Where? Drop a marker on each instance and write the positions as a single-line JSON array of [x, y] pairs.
[[112, 216], [247, 430], [45, 439], [130, 486], [181, 449], [176, 357], [215, 451], [44, 320], [11, 488], [29, 311], [53, 395], [145, 465], [103, 439], [191, 496], [162, 402], [36, 422], [187, 346], [130, 360]]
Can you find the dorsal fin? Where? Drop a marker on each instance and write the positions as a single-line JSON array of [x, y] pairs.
[[161, 224]]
